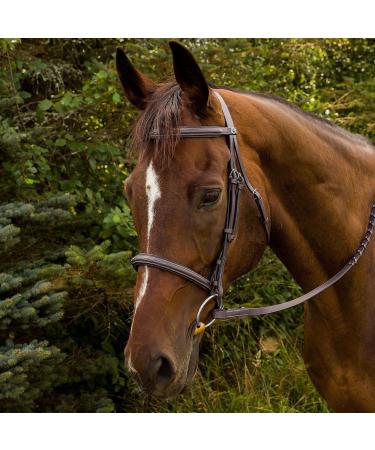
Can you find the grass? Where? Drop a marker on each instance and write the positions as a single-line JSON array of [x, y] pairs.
[[249, 365]]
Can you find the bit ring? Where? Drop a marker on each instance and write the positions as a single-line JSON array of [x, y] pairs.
[[197, 320]]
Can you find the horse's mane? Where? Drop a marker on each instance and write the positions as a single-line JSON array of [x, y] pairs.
[[163, 113]]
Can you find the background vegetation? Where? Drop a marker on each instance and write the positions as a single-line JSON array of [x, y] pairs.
[[66, 235]]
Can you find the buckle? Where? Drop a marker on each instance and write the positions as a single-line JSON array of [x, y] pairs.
[[235, 177]]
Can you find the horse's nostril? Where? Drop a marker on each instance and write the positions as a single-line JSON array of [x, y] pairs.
[[153, 374], [165, 371]]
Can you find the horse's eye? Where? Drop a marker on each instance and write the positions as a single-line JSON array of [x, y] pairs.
[[209, 197]]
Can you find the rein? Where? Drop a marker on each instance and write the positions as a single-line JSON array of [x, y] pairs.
[[237, 181]]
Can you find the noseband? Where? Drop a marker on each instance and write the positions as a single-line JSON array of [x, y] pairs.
[[237, 181]]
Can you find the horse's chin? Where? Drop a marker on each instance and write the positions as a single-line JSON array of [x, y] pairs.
[[193, 364], [192, 368]]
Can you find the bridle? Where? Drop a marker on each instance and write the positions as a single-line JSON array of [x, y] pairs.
[[237, 181]]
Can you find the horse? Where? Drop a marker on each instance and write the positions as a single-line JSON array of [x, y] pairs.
[[317, 184]]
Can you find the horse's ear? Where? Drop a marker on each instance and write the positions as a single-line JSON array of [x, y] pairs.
[[190, 77], [137, 86]]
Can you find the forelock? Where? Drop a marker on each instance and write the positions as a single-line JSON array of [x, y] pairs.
[[162, 114]]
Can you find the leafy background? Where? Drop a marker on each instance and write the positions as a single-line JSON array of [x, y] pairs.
[[66, 234]]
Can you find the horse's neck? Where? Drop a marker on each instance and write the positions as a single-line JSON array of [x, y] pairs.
[[320, 190]]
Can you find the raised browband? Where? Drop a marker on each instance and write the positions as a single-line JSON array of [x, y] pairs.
[[198, 132]]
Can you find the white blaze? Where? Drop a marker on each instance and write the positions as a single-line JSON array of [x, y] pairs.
[[153, 194]]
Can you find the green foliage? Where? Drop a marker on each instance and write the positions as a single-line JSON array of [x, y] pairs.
[[66, 233], [26, 373]]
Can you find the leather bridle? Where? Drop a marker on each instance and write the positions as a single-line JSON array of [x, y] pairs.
[[237, 181]]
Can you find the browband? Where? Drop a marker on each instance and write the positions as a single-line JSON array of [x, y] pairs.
[[198, 132]]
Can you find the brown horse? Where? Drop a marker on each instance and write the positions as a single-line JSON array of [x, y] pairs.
[[318, 184]]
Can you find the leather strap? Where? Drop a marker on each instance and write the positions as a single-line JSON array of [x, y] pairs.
[[199, 132], [235, 149], [173, 267]]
